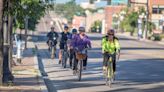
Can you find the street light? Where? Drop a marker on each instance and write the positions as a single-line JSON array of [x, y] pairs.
[[26, 26]]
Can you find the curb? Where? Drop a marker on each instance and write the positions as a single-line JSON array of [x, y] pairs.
[[42, 84], [142, 40]]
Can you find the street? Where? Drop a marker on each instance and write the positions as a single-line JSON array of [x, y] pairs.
[[140, 68]]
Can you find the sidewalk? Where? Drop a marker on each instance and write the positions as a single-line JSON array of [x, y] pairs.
[[135, 37], [27, 75]]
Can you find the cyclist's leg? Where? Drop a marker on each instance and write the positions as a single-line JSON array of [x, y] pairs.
[[105, 62], [60, 52], [75, 63], [114, 62], [48, 43], [71, 56], [85, 62]]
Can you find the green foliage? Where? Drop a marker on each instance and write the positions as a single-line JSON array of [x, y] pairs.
[[130, 22], [35, 9], [69, 9], [96, 25], [157, 37], [141, 10]]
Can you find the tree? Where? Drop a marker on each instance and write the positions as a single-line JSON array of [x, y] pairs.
[[96, 26], [14, 8], [7, 49], [130, 22], [1, 42], [69, 9]]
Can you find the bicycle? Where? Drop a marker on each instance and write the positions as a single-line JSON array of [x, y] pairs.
[[80, 56], [64, 56], [52, 48], [108, 72]]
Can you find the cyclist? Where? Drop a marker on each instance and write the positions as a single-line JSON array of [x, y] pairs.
[[81, 42], [52, 36], [72, 52], [65, 36], [110, 46]]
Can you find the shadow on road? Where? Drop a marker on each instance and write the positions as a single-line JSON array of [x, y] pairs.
[[141, 70]]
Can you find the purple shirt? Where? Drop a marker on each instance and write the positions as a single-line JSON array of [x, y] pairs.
[[79, 43]]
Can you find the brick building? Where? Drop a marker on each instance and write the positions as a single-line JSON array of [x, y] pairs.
[[109, 12]]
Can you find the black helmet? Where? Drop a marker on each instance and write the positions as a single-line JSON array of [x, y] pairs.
[[65, 27], [81, 29], [74, 30], [52, 27], [110, 31]]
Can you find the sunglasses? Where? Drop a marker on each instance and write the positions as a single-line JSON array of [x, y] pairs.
[[111, 34]]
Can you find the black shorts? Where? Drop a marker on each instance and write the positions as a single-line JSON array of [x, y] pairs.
[[61, 46]]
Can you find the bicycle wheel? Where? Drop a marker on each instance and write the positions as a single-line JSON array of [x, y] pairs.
[[106, 75], [52, 52], [79, 69], [110, 72], [65, 58]]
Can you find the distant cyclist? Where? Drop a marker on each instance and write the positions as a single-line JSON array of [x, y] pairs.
[[65, 36], [81, 42], [52, 37], [110, 46], [71, 50]]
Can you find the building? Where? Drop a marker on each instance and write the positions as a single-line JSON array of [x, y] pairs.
[[155, 11], [87, 21], [109, 12]]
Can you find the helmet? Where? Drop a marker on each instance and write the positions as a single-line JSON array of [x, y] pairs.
[[110, 31], [52, 27], [81, 29], [74, 30], [65, 27]]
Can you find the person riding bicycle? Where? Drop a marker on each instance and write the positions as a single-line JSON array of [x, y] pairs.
[[110, 46], [52, 36], [72, 52], [65, 36], [81, 42]]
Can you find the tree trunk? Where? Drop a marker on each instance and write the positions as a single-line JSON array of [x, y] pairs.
[[10, 40], [7, 76], [1, 42]]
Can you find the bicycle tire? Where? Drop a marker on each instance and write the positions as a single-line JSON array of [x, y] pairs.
[[65, 59], [80, 69], [52, 52]]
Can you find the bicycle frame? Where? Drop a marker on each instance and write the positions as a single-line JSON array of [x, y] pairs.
[[109, 72], [52, 47], [80, 56]]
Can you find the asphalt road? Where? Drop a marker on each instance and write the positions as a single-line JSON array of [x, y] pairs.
[[140, 68]]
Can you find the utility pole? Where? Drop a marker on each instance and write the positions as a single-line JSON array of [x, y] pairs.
[[147, 18], [26, 29]]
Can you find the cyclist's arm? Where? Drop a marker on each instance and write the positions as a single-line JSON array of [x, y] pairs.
[[89, 44], [117, 48], [48, 34], [117, 45], [104, 49], [74, 41]]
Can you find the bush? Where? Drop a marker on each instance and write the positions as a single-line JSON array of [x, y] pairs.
[[157, 37]]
